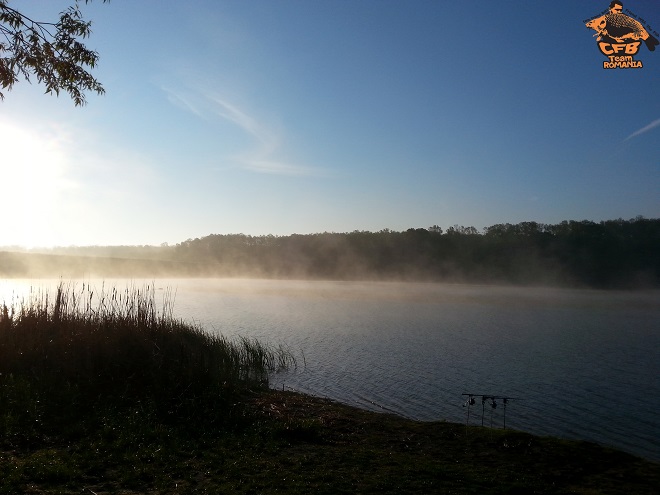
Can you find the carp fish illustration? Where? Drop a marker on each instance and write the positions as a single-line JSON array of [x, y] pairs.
[[619, 28]]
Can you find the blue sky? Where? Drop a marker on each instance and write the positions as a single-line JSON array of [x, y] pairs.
[[280, 117]]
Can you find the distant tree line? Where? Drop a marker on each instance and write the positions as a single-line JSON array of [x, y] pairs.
[[613, 253], [609, 254]]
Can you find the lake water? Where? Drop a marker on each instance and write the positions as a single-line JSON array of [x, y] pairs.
[[581, 364]]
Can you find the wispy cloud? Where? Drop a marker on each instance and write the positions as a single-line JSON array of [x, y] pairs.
[[233, 114], [266, 156], [278, 168], [181, 100], [644, 129]]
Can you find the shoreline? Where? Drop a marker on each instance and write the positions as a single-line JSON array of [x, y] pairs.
[[295, 443]]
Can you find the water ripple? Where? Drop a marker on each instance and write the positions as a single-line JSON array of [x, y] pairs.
[[585, 364]]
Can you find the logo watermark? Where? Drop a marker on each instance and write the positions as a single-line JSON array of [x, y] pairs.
[[620, 35]]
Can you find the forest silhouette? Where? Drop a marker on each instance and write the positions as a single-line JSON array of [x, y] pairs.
[[608, 254]]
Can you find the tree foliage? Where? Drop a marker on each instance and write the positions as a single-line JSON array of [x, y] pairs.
[[49, 51], [608, 254]]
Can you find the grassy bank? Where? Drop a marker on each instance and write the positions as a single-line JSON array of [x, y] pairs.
[[106, 393], [292, 443], [80, 349]]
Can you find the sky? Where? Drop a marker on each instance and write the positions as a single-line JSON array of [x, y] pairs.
[[297, 116]]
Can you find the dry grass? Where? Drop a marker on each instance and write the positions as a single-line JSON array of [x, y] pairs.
[[77, 347]]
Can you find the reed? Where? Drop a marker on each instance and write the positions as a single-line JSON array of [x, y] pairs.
[[78, 348]]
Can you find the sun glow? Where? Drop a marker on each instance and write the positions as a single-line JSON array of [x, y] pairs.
[[33, 185]]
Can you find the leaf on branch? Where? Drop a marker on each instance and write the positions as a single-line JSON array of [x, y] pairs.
[[59, 60]]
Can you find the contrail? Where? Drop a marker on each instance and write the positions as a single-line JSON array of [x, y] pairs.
[[647, 128]]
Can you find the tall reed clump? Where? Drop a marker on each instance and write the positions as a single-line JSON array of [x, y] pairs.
[[82, 349]]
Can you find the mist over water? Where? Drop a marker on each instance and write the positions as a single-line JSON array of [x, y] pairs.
[[583, 363]]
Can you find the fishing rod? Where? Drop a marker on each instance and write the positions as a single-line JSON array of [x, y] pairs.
[[493, 404]]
